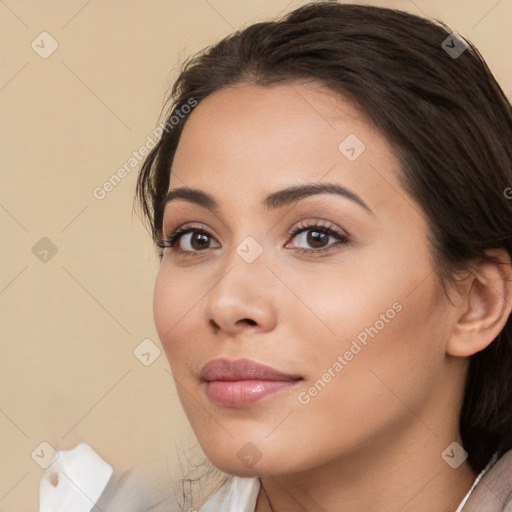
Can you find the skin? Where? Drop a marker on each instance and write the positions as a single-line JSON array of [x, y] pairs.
[[372, 438]]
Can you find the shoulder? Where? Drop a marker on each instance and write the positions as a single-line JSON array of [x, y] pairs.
[[236, 494], [493, 493]]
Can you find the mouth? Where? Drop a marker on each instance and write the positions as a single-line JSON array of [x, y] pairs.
[[241, 383]]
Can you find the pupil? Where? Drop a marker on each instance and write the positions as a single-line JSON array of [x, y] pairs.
[[316, 239], [197, 237]]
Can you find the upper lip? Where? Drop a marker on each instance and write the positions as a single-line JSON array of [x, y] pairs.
[[241, 369]]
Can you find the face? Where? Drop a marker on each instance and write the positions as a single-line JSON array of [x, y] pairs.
[[334, 290]]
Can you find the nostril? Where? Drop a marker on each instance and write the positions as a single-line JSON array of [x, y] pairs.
[[216, 326]]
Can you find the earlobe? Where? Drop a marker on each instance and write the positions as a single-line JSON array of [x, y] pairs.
[[485, 307]]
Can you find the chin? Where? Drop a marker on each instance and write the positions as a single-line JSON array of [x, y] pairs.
[[248, 461]]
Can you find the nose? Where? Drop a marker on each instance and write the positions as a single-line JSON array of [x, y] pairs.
[[243, 298]]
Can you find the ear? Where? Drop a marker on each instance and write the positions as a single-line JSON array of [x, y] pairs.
[[485, 306]]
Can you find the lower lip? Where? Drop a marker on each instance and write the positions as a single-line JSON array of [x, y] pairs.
[[243, 393]]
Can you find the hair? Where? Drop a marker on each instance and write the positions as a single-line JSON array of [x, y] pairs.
[[446, 118]]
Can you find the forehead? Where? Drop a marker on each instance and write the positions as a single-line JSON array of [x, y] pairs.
[[250, 140]]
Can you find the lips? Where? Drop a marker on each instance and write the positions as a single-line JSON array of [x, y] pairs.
[[241, 383]]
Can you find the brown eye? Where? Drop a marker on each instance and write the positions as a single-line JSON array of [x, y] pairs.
[[317, 239], [188, 240], [317, 236], [198, 240]]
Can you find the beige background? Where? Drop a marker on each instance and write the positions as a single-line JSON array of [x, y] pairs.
[[69, 325]]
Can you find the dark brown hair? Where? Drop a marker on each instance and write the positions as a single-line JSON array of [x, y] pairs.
[[444, 115]]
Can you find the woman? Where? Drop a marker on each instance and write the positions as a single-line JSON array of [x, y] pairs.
[[334, 292], [331, 200]]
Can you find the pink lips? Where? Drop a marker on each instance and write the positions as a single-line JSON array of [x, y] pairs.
[[241, 383]]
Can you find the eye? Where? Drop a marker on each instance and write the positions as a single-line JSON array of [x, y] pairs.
[[194, 239], [190, 240], [317, 236]]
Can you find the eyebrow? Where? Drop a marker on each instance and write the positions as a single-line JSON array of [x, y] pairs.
[[273, 201]]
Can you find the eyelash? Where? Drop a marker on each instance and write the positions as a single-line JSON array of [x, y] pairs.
[[170, 241]]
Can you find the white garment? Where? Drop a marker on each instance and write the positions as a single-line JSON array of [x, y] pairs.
[[74, 480], [79, 480], [491, 463], [240, 494]]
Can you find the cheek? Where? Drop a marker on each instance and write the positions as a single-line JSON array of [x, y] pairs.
[[373, 365], [174, 303], [164, 299], [384, 320], [339, 304], [391, 344]]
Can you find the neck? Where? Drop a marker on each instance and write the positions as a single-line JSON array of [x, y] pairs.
[[384, 477]]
